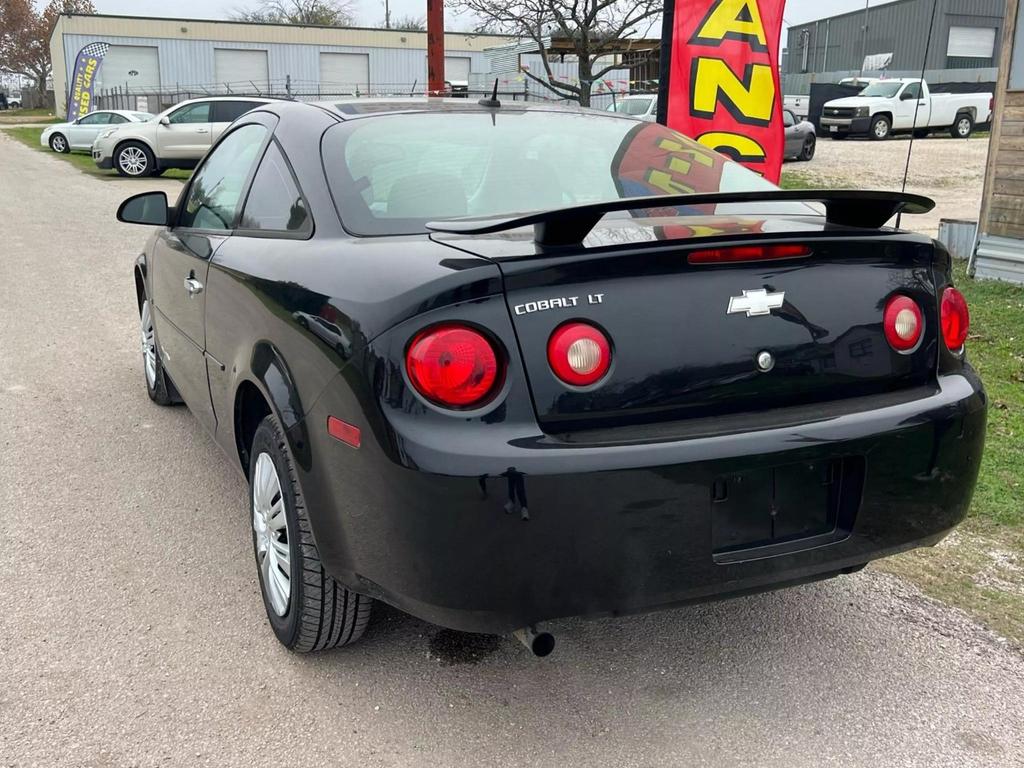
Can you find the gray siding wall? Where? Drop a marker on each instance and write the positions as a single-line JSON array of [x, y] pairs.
[[190, 63], [900, 28]]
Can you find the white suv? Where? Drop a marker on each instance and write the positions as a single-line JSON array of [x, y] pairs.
[[177, 138]]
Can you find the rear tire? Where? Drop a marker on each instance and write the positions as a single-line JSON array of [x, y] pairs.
[[134, 159], [880, 128], [59, 143], [307, 609], [962, 127], [807, 152]]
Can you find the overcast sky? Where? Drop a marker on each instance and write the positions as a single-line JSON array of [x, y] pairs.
[[371, 12]]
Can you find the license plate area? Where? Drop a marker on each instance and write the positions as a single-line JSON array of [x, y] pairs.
[[770, 511]]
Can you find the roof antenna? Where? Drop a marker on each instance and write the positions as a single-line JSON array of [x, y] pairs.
[[493, 101], [917, 106]]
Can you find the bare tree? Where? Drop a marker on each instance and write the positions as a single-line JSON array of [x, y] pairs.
[[327, 13], [409, 23], [593, 29]]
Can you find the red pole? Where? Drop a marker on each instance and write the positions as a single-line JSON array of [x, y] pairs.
[[435, 47]]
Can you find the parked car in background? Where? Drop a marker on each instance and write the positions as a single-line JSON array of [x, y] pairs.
[[80, 134], [800, 137], [640, 106], [402, 318], [176, 138], [890, 106], [14, 101]]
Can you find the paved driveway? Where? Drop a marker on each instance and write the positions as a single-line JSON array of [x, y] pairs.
[[132, 632]]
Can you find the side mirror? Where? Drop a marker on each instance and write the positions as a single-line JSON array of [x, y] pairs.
[[906, 95], [165, 120], [148, 208]]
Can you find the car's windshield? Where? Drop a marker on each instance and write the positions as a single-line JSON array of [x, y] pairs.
[[392, 174], [632, 106], [142, 116], [884, 90]]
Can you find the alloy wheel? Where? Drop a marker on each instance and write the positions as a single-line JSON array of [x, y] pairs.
[[59, 144], [133, 161], [148, 344], [270, 523]]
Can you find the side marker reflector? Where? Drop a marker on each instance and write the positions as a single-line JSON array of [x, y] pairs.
[[349, 434]]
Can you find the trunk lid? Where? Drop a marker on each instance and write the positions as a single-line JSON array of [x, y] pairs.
[[676, 350]]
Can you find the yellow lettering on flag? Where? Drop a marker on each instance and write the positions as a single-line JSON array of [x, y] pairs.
[[734, 145], [732, 20], [749, 99]]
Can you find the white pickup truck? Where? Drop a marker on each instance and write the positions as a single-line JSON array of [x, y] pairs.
[[888, 106]]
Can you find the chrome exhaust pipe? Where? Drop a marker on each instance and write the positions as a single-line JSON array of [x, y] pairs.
[[540, 644]]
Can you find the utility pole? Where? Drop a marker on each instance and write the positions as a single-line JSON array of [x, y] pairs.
[[435, 47], [387, 14], [864, 44]]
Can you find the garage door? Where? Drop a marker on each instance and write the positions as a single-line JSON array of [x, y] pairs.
[[342, 73], [971, 42], [137, 66], [456, 68], [239, 71]]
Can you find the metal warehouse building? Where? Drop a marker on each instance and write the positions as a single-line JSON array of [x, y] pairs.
[[163, 60], [967, 34]]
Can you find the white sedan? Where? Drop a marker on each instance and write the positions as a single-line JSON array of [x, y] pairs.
[[80, 135]]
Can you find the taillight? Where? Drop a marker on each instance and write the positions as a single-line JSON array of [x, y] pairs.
[[748, 253], [903, 323], [454, 366], [955, 319], [579, 354]]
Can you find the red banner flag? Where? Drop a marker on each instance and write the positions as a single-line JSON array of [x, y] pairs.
[[720, 78]]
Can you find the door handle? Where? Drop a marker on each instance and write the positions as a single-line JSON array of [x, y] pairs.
[[193, 286], [202, 130]]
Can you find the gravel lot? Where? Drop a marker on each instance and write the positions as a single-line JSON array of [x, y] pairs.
[[950, 171], [133, 633]]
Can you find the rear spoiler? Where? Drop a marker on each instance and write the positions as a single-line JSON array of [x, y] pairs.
[[570, 225]]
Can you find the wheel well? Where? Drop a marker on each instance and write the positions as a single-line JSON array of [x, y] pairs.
[[966, 111], [55, 134], [120, 144], [250, 409], [886, 115], [140, 287]]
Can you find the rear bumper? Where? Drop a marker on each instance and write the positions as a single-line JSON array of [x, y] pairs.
[[617, 529]]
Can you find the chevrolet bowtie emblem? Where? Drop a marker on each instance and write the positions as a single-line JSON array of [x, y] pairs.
[[756, 302]]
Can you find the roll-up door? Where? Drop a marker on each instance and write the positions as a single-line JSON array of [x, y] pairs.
[[237, 71], [342, 73]]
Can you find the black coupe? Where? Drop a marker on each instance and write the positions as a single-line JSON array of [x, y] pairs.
[[496, 364]]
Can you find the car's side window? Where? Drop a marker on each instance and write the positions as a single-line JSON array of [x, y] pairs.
[[215, 191], [97, 118], [118, 119], [193, 113], [229, 111], [275, 203], [787, 118], [913, 91]]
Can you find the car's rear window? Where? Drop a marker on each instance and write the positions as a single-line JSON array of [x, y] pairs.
[[391, 174]]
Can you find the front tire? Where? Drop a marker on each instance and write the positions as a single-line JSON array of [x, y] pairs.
[[134, 159], [880, 128], [807, 151], [307, 609], [59, 143], [962, 128], [159, 387]]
